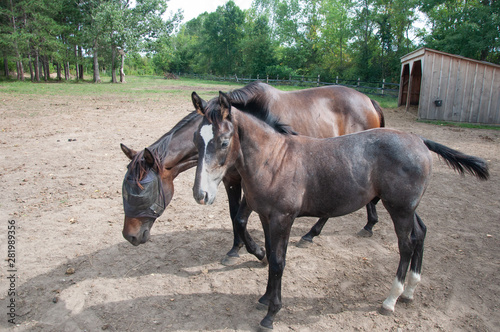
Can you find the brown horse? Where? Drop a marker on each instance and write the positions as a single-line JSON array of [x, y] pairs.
[[286, 176], [319, 112]]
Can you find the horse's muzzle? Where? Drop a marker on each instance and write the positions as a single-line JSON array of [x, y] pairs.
[[137, 231], [201, 197]]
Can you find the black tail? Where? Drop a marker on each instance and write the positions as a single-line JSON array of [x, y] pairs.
[[459, 161], [379, 111]]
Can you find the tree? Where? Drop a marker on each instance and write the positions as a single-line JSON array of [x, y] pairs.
[[337, 31], [469, 28], [257, 48], [222, 31]]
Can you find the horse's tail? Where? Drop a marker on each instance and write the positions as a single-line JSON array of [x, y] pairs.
[[379, 112], [459, 161]]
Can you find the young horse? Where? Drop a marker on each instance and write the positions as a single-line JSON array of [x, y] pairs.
[[323, 112], [286, 176]]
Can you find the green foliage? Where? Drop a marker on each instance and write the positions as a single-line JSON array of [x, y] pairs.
[[468, 28], [346, 38]]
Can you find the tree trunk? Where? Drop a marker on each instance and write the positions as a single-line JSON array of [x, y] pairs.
[[77, 67], [122, 73], [30, 63], [58, 66], [113, 64], [80, 55], [66, 71], [6, 66], [20, 70], [37, 67], [42, 68], [47, 65], [97, 77]]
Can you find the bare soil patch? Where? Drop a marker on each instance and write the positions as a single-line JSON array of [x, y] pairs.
[[61, 172]]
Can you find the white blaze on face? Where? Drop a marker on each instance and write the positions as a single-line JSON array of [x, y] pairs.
[[207, 134]]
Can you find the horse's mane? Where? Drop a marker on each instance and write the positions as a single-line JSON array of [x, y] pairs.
[[251, 95], [159, 149], [247, 95]]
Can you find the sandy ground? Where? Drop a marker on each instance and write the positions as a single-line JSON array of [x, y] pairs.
[[61, 172]]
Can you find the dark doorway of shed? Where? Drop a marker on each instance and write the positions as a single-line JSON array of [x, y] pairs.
[[416, 79], [410, 88]]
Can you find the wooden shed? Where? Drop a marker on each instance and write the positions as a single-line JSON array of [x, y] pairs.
[[450, 87]]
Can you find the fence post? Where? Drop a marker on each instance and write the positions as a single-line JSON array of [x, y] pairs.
[[317, 84], [358, 81], [337, 80], [236, 76], [267, 79], [383, 86], [258, 77]]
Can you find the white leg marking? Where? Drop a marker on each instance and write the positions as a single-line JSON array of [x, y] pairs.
[[396, 290], [413, 280]]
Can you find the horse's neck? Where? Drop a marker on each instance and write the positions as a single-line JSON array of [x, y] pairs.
[[178, 146], [259, 143]]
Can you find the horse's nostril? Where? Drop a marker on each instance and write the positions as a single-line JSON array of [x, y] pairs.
[[201, 197], [132, 239]]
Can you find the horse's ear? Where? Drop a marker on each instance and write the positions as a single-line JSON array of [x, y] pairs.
[[199, 104], [128, 152], [225, 105], [149, 158]]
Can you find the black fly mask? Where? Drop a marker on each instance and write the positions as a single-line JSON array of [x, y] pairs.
[[146, 202]]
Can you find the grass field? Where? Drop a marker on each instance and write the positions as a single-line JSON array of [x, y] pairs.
[[146, 86]]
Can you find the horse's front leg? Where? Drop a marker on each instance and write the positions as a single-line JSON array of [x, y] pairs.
[[278, 233], [241, 225], [233, 190], [240, 212]]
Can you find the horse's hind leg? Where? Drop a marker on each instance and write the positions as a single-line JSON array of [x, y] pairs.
[[371, 211], [419, 232], [307, 239], [407, 242]]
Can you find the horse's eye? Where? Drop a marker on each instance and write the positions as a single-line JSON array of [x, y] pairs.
[[224, 144]]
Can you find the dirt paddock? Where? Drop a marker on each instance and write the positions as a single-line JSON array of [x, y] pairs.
[[61, 172]]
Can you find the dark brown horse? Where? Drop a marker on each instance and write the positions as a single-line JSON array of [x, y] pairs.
[[319, 112], [286, 176]]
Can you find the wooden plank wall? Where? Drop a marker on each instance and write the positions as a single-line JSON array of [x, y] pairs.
[[470, 90]]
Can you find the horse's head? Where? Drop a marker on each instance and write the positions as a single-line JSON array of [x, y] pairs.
[[146, 192], [217, 150]]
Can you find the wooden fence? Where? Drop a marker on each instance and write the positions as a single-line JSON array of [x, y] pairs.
[[375, 88]]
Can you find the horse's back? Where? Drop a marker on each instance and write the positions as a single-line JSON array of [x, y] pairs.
[[325, 111]]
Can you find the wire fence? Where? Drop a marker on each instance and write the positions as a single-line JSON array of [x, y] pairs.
[[375, 88]]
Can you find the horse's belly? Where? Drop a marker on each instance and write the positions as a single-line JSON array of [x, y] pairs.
[[335, 203]]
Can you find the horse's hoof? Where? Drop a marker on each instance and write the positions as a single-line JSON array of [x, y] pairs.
[[365, 233], [261, 307], [264, 261], [230, 260], [384, 311], [403, 299], [304, 243], [264, 328], [266, 324]]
